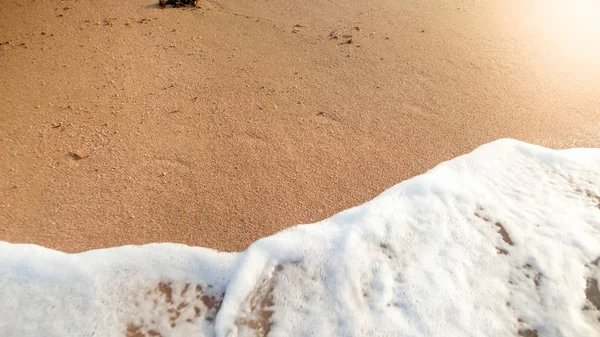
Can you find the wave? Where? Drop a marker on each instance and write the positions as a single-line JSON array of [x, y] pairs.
[[504, 241]]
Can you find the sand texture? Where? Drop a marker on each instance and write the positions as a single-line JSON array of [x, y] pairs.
[[124, 123]]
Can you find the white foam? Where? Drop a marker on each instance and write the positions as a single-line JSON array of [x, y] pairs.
[[102, 292], [500, 242]]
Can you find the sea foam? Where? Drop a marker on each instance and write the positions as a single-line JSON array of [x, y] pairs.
[[504, 241]]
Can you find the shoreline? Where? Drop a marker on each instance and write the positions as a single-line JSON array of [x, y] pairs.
[[122, 123]]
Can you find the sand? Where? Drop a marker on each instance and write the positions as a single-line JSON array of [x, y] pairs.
[[123, 123]]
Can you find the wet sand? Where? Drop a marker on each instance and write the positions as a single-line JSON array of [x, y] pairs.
[[123, 123]]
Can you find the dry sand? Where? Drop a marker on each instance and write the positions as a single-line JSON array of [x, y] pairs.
[[122, 123]]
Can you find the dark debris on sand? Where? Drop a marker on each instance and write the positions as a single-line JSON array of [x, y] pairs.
[[178, 3]]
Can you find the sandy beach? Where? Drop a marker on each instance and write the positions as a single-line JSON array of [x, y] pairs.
[[124, 123]]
